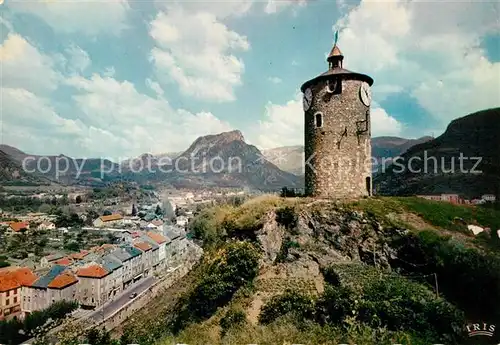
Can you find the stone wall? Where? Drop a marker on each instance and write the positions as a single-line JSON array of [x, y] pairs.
[[338, 156]]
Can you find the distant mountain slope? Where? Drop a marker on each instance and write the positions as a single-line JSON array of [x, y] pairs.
[[291, 158], [475, 135], [62, 168], [12, 173], [226, 160], [287, 158]]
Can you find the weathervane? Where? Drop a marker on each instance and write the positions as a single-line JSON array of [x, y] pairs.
[[336, 37]]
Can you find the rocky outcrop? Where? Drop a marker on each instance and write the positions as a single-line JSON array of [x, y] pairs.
[[326, 235]]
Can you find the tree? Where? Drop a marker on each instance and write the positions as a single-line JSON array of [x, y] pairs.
[[158, 211], [44, 208], [168, 209], [134, 210], [107, 213]]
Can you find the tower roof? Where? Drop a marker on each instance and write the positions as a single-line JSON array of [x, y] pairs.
[[336, 71], [335, 54]]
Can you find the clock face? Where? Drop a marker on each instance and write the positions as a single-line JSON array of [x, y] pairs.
[[365, 93], [307, 99]]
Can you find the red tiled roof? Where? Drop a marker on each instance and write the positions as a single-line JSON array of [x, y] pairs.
[[63, 262], [62, 280], [93, 271], [15, 277], [111, 217], [157, 237], [81, 255], [17, 226], [143, 246]]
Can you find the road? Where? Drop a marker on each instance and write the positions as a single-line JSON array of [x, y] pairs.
[[120, 300]]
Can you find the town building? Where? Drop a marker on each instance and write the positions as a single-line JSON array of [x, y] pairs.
[[159, 259], [48, 260], [15, 227], [92, 288], [115, 279], [57, 285], [12, 279], [489, 197], [111, 220], [46, 225], [337, 132], [147, 256], [451, 198], [181, 221]]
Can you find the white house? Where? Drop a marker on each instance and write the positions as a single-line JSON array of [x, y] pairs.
[[46, 226], [489, 198], [110, 220], [181, 221]]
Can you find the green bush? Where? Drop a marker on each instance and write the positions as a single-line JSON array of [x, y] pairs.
[[291, 302], [234, 318], [287, 217], [233, 267], [400, 304], [467, 277]]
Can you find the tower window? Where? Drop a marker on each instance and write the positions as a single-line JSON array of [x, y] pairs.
[[334, 86], [318, 118]]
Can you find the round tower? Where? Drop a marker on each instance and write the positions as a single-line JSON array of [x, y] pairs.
[[337, 132]]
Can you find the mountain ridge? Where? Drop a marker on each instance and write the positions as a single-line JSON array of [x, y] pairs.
[[475, 137]]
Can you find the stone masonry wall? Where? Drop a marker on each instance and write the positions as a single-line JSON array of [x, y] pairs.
[[334, 171]]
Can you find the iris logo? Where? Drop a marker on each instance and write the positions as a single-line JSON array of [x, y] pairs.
[[484, 329]]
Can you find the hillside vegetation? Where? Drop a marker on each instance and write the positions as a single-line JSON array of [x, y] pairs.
[[296, 270]]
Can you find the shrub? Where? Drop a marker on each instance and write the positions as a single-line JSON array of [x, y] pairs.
[[234, 318], [291, 302], [287, 217], [233, 267], [400, 304], [466, 276]]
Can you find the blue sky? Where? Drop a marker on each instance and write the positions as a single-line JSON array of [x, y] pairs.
[[120, 78]]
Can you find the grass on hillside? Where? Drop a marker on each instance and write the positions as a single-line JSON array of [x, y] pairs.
[[441, 214]]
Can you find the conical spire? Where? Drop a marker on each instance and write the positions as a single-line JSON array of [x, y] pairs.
[[335, 53]]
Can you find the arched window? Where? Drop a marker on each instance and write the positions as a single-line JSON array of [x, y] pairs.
[[318, 119], [334, 86]]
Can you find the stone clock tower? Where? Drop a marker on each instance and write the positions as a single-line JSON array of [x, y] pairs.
[[337, 132]]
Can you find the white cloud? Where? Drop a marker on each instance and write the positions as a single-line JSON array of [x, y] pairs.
[[153, 85], [29, 120], [109, 72], [383, 124], [23, 66], [428, 49], [196, 52], [146, 124], [78, 60], [283, 125], [274, 6], [70, 16], [275, 80], [220, 9]]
